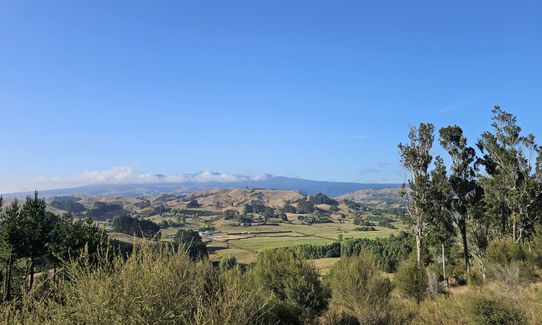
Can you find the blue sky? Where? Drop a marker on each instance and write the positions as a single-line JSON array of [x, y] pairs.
[[315, 89]]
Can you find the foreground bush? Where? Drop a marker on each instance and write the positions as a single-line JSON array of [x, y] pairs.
[[150, 287], [479, 307], [535, 247], [487, 308], [293, 283], [412, 280], [157, 285], [510, 264], [360, 288], [190, 241], [227, 263]]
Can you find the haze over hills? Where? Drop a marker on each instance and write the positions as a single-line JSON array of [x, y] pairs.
[[158, 184]]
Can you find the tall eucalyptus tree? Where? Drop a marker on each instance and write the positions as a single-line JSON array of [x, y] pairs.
[[513, 165], [464, 189], [416, 158]]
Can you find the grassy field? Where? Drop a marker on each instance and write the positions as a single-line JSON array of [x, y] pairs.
[[125, 238], [324, 264], [245, 242], [256, 243], [242, 256]]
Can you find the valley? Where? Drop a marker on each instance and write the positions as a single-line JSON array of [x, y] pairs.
[[241, 222]]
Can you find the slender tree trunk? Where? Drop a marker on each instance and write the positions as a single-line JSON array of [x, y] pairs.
[[520, 231], [4, 284], [503, 226], [31, 274], [418, 249], [444, 267], [7, 280], [465, 247], [519, 236], [514, 230]]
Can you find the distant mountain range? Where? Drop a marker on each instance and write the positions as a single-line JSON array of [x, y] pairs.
[[163, 184]]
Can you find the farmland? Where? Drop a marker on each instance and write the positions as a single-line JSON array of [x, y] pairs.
[[242, 222], [245, 246]]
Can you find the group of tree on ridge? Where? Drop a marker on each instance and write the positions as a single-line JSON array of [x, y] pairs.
[[490, 194]]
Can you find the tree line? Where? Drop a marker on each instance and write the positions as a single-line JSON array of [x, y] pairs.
[[485, 193], [388, 252], [32, 238]]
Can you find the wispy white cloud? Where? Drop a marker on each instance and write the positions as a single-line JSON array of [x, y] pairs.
[[113, 175], [120, 175]]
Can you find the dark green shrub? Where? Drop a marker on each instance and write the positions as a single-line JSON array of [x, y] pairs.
[[365, 228], [193, 204], [104, 211], [288, 208], [505, 251], [510, 264], [358, 221], [475, 279], [315, 217], [321, 198], [336, 316], [386, 224], [137, 227], [227, 263], [388, 251], [231, 214], [359, 287], [293, 282], [190, 242], [269, 212], [149, 287], [255, 206], [304, 207], [489, 308], [412, 280], [68, 203], [535, 247]]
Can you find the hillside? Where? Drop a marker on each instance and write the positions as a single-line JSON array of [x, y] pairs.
[[387, 199], [214, 201], [390, 196], [234, 198], [243, 221]]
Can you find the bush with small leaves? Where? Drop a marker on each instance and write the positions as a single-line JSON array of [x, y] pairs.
[[190, 242], [227, 263], [412, 280], [535, 247], [510, 264], [358, 286], [152, 286], [293, 282], [491, 308]]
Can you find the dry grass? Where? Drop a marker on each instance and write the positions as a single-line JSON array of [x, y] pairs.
[[150, 287], [325, 264]]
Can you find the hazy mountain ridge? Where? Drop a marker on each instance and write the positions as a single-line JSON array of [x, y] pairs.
[[185, 187]]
